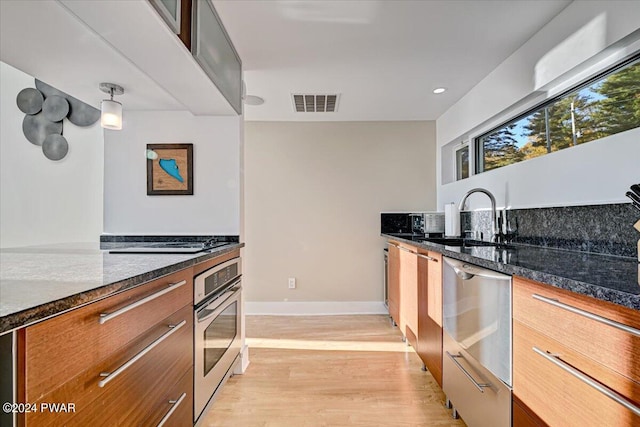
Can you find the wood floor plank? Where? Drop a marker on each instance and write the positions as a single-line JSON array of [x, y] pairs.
[[333, 371]]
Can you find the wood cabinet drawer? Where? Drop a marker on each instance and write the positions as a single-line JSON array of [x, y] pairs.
[[60, 348], [522, 415], [430, 311], [536, 305], [394, 282], [561, 398], [140, 387], [175, 408], [409, 292], [430, 347], [434, 300]]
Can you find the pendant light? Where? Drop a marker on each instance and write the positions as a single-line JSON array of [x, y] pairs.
[[111, 117]]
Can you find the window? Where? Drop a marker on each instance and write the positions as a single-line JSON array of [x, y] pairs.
[[462, 162], [604, 106]]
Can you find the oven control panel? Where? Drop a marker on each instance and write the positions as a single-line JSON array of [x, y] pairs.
[[213, 280]]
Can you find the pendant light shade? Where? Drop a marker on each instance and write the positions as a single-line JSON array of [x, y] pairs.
[[111, 117]]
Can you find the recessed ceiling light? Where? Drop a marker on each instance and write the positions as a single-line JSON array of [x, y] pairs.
[[253, 100], [439, 90]]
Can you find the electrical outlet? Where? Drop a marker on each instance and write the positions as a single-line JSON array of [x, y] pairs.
[[292, 282]]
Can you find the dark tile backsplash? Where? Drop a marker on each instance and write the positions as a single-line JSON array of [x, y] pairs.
[[605, 229]]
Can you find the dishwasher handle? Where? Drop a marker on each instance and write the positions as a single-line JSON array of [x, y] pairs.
[[479, 386], [467, 271]]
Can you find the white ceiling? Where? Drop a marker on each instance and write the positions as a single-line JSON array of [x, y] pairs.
[[383, 57], [74, 45], [45, 40]]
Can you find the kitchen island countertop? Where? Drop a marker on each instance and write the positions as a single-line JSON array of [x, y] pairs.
[[37, 282], [605, 277]]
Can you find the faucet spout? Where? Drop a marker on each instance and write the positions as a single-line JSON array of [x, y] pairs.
[[494, 215]]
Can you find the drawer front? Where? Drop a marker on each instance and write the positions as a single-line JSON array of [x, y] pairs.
[[429, 309], [523, 417], [174, 408], [408, 291], [560, 398], [58, 349], [138, 390], [434, 300], [614, 347], [394, 282], [430, 347], [490, 407]]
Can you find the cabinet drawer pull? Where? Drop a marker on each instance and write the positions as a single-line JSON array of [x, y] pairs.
[[618, 398], [174, 406], [111, 375], [104, 317], [399, 247], [468, 375], [613, 323], [414, 253], [405, 249], [427, 257]]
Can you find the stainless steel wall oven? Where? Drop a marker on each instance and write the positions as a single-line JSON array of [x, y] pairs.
[[217, 323]]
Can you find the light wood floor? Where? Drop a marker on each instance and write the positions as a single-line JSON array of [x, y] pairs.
[[329, 371]]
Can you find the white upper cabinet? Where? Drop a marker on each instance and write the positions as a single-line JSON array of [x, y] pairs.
[[212, 48], [138, 32], [170, 11]]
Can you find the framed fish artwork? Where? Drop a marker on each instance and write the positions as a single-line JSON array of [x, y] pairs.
[[169, 169]]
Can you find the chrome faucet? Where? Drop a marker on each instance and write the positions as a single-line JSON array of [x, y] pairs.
[[497, 233]]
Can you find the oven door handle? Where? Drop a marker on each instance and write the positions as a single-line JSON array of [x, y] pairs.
[[219, 267], [217, 302]]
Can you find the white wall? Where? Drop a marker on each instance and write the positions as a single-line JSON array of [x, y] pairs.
[[583, 39], [599, 172], [42, 201], [313, 197], [214, 208]]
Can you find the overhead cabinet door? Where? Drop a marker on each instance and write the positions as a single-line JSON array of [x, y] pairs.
[[212, 48]]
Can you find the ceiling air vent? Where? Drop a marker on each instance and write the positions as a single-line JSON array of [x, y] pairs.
[[315, 103]]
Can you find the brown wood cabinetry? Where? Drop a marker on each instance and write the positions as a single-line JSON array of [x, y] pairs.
[[568, 349], [62, 347], [415, 301], [185, 23], [176, 405], [430, 313], [409, 294], [523, 416], [394, 282], [434, 291], [120, 360]]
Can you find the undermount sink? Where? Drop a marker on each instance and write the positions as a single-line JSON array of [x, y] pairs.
[[453, 241]]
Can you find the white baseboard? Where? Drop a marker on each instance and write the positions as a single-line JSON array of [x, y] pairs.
[[294, 308]]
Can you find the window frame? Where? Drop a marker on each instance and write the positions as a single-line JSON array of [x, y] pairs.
[[478, 149], [463, 145]]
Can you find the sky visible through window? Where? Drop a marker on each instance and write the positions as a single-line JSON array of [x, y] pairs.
[[521, 133]]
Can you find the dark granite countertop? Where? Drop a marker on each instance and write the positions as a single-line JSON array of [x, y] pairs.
[[605, 277], [39, 281]]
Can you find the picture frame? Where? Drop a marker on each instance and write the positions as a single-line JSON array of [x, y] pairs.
[[169, 169]]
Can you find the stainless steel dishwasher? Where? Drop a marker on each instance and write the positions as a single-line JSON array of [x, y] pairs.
[[477, 343]]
